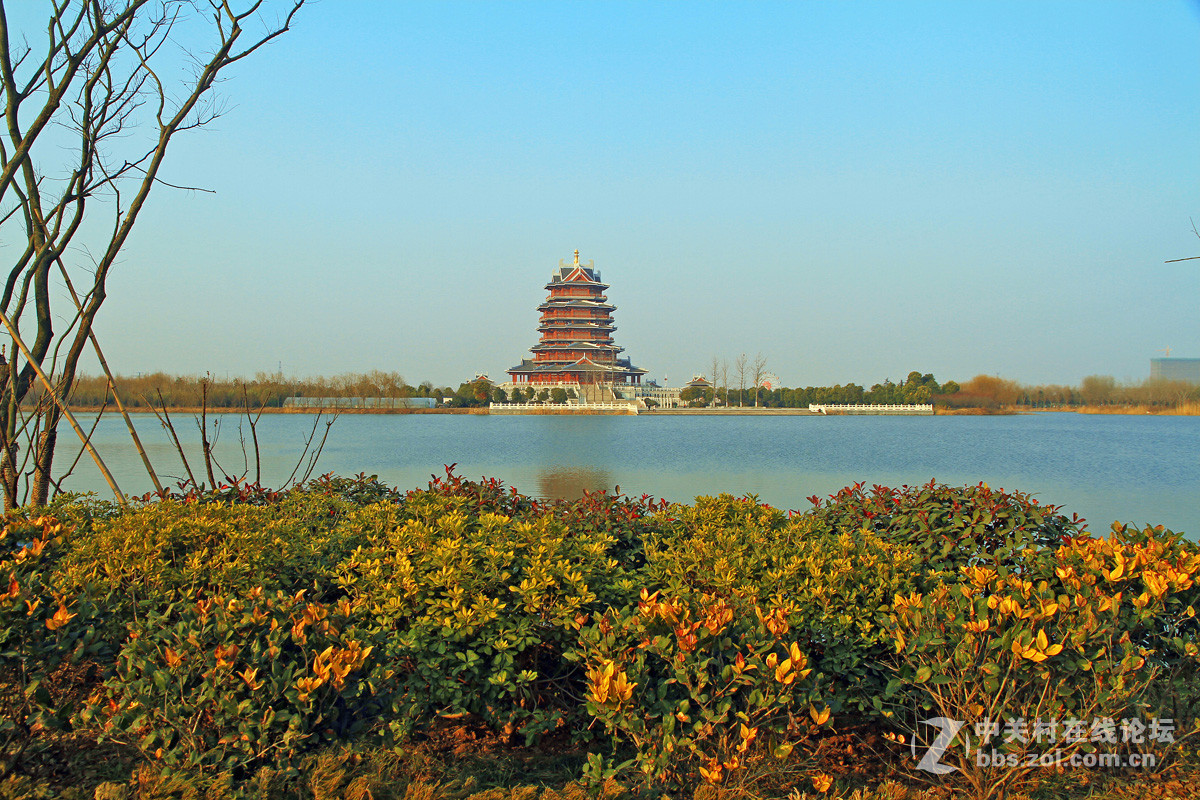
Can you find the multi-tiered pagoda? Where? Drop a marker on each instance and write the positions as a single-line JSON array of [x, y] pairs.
[[576, 327]]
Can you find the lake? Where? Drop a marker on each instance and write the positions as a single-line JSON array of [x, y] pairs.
[[1143, 469]]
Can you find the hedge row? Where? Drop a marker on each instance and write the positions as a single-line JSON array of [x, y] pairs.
[[230, 633]]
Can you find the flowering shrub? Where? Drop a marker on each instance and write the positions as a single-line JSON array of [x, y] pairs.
[[249, 632], [692, 682], [949, 526], [836, 587], [47, 639], [163, 549], [478, 610], [1156, 577], [1081, 632], [238, 681], [628, 520]]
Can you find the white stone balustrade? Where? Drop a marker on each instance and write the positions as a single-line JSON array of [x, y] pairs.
[[871, 408]]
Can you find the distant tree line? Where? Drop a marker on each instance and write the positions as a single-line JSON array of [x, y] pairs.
[[532, 394], [271, 390], [1104, 390], [265, 390], [986, 392], [990, 392], [916, 388]]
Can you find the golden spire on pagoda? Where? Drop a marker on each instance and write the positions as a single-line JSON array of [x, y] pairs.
[[577, 257]]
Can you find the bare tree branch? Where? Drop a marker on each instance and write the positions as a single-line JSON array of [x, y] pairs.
[[108, 478], [99, 75]]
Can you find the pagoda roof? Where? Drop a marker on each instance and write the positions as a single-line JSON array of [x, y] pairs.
[[576, 273], [572, 344], [580, 276], [582, 334], [595, 297], [595, 338], [585, 364], [563, 302], [555, 323], [578, 344]]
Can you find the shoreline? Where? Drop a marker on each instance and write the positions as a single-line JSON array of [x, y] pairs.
[[277, 410], [731, 412], [1186, 411]]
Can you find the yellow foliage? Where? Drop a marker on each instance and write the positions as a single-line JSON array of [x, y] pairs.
[[1037, 650], [61, 617]]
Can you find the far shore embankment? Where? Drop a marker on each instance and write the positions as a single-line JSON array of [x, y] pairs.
[[277, 410], [730, 412], [718, 412], [1190, 410]]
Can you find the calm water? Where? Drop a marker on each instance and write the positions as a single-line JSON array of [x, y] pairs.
[[1132, 468]]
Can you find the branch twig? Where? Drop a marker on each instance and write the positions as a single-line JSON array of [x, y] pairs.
[[108, 478]]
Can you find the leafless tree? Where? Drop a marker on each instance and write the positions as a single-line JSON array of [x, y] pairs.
[[758, 368], [1189, 258], [90, 109], [714, 376], [740, 365], [725, 379]]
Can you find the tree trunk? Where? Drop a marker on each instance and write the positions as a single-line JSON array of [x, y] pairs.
[[43, 458], [8, 475]]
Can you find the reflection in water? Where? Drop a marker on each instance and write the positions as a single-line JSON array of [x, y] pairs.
[[569, 483]]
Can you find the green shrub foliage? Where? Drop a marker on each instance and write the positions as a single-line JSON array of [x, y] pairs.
[[481, 608], [948, 526], [690, 682], [243, 633], [49, 643], [234, 682], [835, 586], [1096, 628]]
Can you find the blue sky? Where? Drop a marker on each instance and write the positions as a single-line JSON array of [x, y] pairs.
[[855, 189]]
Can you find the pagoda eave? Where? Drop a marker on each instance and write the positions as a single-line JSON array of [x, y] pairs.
[[577, 344], [550, 286], [580, 304]]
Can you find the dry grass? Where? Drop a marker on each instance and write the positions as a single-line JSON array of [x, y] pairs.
[[1191, 409], [462, 761], [942, 411]]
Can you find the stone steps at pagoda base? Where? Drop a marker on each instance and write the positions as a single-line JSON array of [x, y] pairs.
[[596, 393]]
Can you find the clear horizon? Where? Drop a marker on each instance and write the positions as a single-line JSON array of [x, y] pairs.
[[856, 190]]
